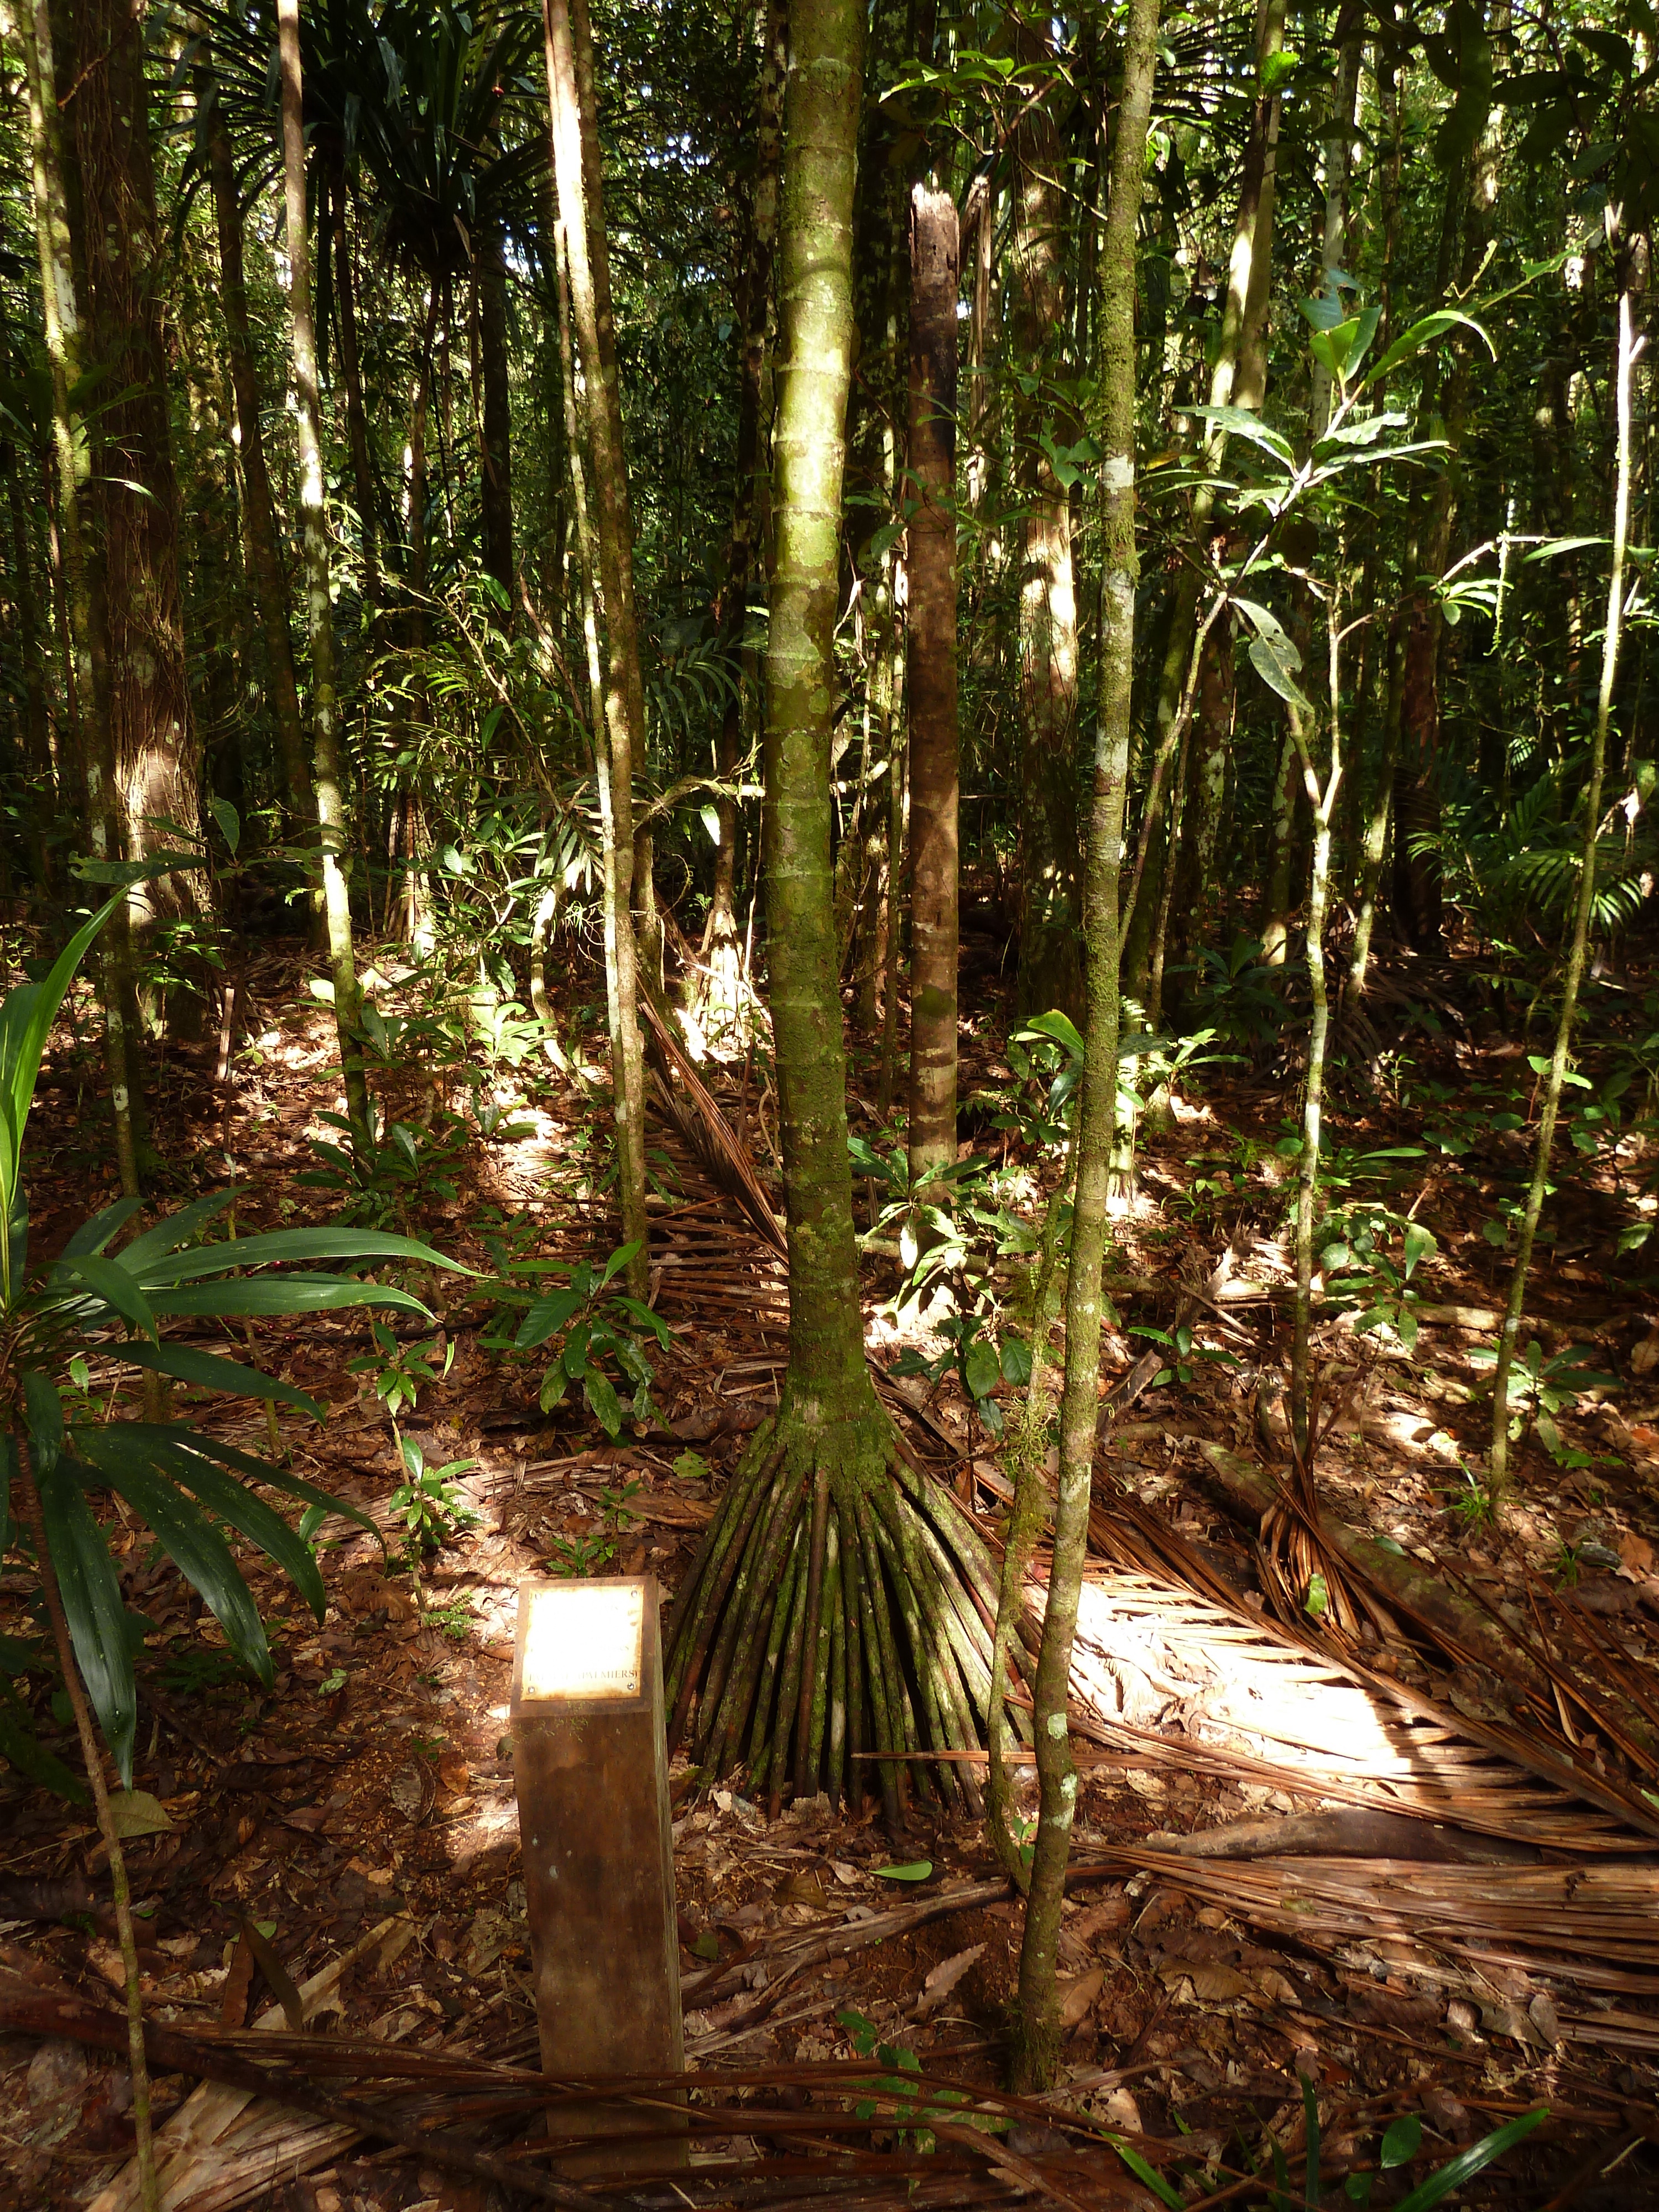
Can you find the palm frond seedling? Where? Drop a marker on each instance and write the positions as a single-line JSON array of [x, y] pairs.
[[94, 1303]]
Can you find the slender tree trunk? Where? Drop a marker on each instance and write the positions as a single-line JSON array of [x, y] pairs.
[[67, 360], [1634, 275], [496, 488], [36, 723], [158, 754], [1037, 2048], [1375, 843], [1236, 378], [327, 775], [1050, 845], [932, 683], [264, 537], [1339, 140], [720, 943], [1322, 807], [351, 375], [581, 211]]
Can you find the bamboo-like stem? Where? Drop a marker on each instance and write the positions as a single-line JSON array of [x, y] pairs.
[[1630, 346], [781, 1632], [327, 774], [1324, 806], [92, 1754], [804, 1685], [1037, 2037], [829, 1731]]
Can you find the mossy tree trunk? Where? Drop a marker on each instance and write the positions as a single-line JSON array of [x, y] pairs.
[[931, 686], [1036, 2042], [840, 1603], [576, 175]]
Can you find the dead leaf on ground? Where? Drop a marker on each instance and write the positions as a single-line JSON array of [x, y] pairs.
[[944, 1978], [135, 1813], [1078, 1997], [1212, 1984]]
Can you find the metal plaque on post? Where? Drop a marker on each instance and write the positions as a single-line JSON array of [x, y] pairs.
[[591, 1762]]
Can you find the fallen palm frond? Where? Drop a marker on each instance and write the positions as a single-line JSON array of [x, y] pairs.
[[1554, 1928], [1167, 1639], [706, 1130]]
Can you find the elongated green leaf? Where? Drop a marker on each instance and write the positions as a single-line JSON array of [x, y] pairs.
[[109, 1280], [644, 1316], [545, 1316], [193, 1543], [27, 1017], [207, 1371], [177, 1229], [1243, 422], [93, 1608], [43, 1410], [303, 1247], [619, 1259], [151, 1444], [278, 1478], [1059, 1029], [1467, 2163], [256, 1295], [9, 1470], [1424, 333], [602, 1398], [93, 1235]]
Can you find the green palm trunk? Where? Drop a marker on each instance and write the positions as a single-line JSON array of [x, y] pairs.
[[838, 1606]]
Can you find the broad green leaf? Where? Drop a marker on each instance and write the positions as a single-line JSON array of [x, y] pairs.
[[547, 1315], [108, 1280], [1244, 423], [981, 1368], [913, 1870], [205, 1370], [1424, 333], [196, 1548], [619, 1259], [1402, 2142], [229, 821], [1058, 1029], [1016, 1362], [644, 1316], [1467, 2163], [93, 1608], [1419, 1243], [603, 1399]]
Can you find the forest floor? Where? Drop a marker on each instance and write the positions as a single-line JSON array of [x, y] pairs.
[[366, 1808]]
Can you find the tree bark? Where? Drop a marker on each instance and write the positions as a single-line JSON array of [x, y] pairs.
[[720, 941], [158, 755], [1036, 2047], [495, 490], [327, 775], [351, 375], [88, 672], [264, 537], [1050, 967], [932, 682], [1630, 345], [581, 211]]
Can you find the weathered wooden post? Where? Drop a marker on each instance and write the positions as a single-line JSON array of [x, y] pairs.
[[591, 1762]]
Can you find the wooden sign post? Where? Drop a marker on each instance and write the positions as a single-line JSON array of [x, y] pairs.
[[590, 1761]]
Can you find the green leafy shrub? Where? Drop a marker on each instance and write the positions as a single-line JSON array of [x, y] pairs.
[[191, 1489]]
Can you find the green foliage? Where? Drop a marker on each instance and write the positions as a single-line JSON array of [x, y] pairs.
[[981, 1364], [1539, 1387], [94, 1303], [433, 1510], [599, 1333], [400, 1371], [1365, 1274], [573, 1557]]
